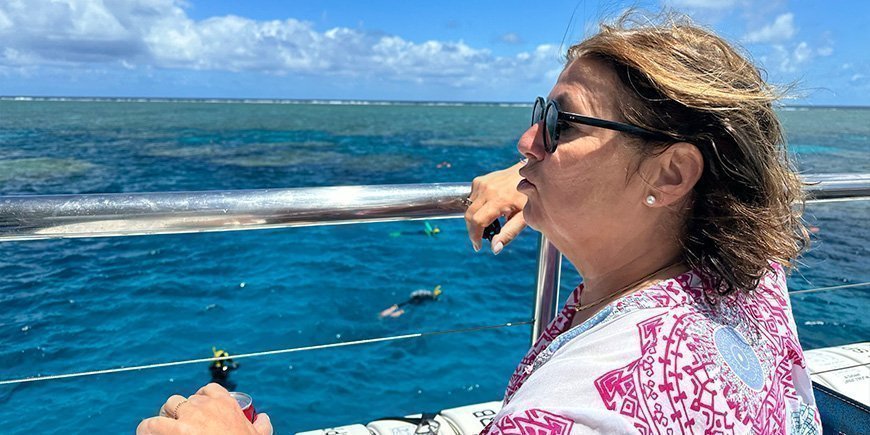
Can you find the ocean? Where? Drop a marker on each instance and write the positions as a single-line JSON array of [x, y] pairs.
[[88, 304]]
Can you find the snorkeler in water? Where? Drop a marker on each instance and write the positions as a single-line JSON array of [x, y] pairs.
[[428, 230], [417, 297], [220, 370]]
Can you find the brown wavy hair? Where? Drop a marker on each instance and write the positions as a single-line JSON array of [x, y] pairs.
[[684, 81]]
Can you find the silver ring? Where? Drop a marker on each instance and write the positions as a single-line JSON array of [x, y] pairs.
[[466, 202]]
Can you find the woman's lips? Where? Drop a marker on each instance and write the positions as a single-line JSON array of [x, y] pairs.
[[525, 184]]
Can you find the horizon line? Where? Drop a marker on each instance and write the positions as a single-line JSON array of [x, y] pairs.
[[351, 101]]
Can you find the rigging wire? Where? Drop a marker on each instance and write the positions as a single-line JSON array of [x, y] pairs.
[[262, 353], [327, 346], [836, 287], [840, 368]]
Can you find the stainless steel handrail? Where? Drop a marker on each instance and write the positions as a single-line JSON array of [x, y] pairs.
[[125, 214], [837, 186]]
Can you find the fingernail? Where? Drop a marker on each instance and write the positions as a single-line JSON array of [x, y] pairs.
[[497, 247], [476, 246]]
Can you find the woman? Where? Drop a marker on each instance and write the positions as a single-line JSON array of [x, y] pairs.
[[658, 169], [657, 166]]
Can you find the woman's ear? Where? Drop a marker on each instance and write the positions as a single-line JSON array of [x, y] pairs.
[[673, 174]]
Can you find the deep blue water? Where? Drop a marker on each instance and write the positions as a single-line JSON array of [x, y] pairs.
[[75, 305]]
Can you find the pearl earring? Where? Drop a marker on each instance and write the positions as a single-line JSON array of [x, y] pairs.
[[650, 200]]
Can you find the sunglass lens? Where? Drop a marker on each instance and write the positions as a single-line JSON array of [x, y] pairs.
[[552, 124], [537, 111]]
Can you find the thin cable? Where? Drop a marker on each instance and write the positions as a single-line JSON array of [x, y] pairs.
[[823, 289], [327, 346], [263, 353], [840, 368]]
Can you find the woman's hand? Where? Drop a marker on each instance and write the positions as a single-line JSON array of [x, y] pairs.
[[210, 411], [494, 195]]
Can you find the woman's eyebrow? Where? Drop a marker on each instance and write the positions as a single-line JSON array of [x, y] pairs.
[[570, 102]]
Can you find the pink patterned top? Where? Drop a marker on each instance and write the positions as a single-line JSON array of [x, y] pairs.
[[663, 361]]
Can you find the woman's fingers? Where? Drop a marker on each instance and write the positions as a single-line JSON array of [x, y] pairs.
[[494, 195], [480, 218], [211, 410], [509, 231], [475, 231], [157, 426], [476, 215], [469, 215], [213, 390], [173, 403], [263, 424]]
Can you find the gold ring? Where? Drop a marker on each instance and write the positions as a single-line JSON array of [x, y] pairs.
[[175, 412]]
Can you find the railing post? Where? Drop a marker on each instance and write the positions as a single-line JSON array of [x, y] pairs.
[[547, 286]]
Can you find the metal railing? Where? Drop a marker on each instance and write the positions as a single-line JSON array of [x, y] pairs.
[[125, 214], [128, 214], [834, 187]]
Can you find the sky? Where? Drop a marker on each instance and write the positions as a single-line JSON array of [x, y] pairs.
[[390, 50]]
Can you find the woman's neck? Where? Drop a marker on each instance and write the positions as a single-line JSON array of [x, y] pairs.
[[608, 273], [598, 293]]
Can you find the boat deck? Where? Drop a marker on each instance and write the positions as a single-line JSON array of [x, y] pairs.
[[840, 374]]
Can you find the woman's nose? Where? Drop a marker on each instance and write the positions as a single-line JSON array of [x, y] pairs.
[[531, 144]]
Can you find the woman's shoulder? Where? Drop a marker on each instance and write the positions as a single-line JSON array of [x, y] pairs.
[[667, 357], [706, 328], [713, 361], [692, 291]]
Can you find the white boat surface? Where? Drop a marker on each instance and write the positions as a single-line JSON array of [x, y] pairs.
[[842, 369]]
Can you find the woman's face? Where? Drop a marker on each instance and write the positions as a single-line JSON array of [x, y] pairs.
[[587, 192]]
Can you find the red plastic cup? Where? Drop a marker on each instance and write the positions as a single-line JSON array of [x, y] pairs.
[[246, 403]]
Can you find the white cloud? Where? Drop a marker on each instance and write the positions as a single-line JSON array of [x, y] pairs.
[[825, 44], [705, 4], [785, 59], [802, 53], [791, 59], [782, 29], [510, 38], [159, 33]]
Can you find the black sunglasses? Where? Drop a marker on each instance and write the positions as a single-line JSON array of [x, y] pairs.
[[553, 118]]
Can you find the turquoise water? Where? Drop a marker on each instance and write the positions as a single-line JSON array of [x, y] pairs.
[[75, 305]]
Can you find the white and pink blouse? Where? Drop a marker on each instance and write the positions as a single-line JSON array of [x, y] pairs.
[[665, 361]]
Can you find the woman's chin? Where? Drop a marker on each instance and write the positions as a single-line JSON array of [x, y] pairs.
[[529, 216]]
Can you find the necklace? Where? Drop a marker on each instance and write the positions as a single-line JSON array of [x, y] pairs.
[[582, 307]]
